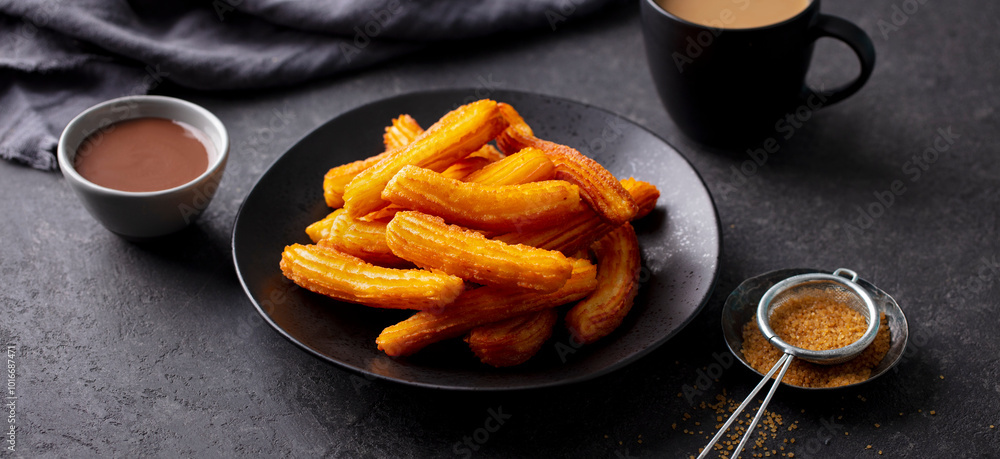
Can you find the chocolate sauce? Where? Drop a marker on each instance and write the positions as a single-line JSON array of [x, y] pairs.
[[143, 154]]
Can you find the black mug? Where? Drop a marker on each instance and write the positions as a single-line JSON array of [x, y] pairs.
[[735, 87]]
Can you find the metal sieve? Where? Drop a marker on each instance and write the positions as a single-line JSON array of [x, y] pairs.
[[834, 286]]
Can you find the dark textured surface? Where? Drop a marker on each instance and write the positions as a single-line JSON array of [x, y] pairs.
[[153, 350]]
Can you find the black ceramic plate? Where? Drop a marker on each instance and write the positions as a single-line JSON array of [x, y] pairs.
[[680, 246]]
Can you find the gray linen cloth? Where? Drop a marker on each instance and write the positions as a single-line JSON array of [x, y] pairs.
[[58, 57]]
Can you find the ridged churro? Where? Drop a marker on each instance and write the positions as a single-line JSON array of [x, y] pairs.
[[527, 165], [465, 166], [363, 239], [584, 227], [481, 306], [401, 132], [512, 341], [429, 242], [484, 245], [476, 160], [322, 228], [456, 135], [603, 310], [597, 186], [488, 152], [645, 195], [488, 207], [347, 278]]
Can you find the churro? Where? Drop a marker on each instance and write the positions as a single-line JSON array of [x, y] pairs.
[[429, 242], [347, 278]]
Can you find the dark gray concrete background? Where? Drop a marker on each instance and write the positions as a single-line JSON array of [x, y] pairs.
[[128, 350]]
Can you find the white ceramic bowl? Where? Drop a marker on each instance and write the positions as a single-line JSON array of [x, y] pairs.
[[150, 214]]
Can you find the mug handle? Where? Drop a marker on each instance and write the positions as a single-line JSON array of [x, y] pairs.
[[858, 40]]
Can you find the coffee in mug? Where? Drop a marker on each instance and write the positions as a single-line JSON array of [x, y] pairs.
[[734, 14], [729, 71]]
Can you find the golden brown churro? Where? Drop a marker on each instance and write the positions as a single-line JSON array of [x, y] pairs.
[[363, 239], [645, 195], [527, 165], [487, 152], [529, 220], [337, 178], [321, 229], [401, 132], [488, 207], [481, 306], [429, 242], [512, 341], [456, 135], [347, 278], [583, 228], [603, 310], [597, 186], [465, 166]]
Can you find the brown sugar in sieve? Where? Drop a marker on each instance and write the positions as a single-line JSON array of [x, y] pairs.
[[816, 289]]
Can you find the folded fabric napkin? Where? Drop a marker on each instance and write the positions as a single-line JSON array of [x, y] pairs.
[[58, 57]]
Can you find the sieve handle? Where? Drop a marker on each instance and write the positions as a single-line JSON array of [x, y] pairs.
[[850, 274], [783, 363], [760, 411]]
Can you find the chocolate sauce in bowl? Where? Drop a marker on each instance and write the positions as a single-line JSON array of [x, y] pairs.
[[143, 154]]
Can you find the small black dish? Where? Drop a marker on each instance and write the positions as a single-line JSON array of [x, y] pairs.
[[741, 308]]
